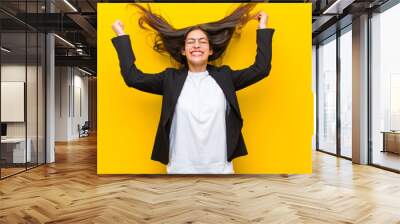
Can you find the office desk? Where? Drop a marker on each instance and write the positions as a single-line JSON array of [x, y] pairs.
[[391, 141], [16, 147]]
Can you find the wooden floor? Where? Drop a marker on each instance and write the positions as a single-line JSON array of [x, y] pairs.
[[387, 159], [69, 191], [5, 172], [8, 171]]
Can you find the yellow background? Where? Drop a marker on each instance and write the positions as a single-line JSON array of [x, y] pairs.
[[277, 111]]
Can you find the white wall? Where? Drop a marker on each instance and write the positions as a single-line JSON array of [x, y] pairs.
[[33, 127], [16, 73], [12, 101], [11, 73], [61, 103], [71, 93], [81, 84]]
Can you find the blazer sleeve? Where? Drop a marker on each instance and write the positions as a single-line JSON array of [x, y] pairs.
[[262, 64], [134, 77]]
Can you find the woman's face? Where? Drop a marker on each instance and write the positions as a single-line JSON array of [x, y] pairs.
[[197, 48]]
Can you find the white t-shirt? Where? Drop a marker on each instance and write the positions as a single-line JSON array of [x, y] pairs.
[[198, 129]]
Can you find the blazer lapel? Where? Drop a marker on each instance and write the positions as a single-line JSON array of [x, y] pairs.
[[179, 82], [222, 80]]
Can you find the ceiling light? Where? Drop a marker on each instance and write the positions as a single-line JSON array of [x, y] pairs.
[[84, 71], [65, 41], [5, 50], [70, 5], [338, 6]]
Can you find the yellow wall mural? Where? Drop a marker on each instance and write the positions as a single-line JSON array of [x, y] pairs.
[[277, 111]]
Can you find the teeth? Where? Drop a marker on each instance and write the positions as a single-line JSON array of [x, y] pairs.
[[197, 53]]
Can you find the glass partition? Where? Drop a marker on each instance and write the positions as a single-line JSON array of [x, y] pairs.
[[14, 154], [22, 77]]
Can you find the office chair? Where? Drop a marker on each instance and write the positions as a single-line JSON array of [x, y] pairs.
[[84, 130]]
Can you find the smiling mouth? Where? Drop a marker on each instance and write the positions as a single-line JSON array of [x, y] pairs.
[[196, 53]]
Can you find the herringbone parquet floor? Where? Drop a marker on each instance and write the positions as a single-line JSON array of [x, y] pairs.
[[70, 191]]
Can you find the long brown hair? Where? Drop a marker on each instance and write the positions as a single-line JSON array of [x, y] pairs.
[[171, 40]]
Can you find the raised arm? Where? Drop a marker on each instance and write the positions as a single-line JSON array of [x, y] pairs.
[[134, 77], [262, 64]]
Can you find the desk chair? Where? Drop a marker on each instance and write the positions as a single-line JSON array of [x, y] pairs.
[[84, 130]]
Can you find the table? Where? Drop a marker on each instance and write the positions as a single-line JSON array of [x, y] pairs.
[[17, 150], [391, 141]]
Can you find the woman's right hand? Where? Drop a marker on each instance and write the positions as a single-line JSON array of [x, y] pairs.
[[118, 27], [262, 18]]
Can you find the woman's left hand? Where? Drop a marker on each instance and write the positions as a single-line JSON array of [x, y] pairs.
[[262, 18]]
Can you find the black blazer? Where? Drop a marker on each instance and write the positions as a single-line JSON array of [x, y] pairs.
[[169, 83]]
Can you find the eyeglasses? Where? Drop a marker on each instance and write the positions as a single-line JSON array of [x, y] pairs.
[[192, 41]]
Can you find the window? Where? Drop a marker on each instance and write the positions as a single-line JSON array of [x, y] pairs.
[[385, 88], [346, 93], [327, 95]]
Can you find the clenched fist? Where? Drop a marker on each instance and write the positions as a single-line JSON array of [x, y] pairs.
[[118, 28], [262, 18]]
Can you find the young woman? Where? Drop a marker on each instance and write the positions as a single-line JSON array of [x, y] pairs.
[[200, 124]]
